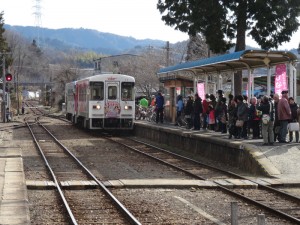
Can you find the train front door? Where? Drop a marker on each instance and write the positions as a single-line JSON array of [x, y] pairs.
[[112, 104]]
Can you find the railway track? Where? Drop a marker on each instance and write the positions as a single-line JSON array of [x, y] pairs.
[[275, 201], [90, 206]]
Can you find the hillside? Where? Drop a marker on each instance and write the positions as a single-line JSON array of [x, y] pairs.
[[66, 39], [83, 39]]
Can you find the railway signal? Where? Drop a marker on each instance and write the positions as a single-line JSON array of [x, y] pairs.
[[8, 77]]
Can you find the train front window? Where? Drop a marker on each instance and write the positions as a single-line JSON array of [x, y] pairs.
[[127, 89], [112, 92], [97, 91]]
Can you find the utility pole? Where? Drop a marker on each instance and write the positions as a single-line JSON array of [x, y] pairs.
[[38, 19], [3, 88], [168, 54]]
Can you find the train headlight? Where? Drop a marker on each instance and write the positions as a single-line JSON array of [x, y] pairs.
[[96, 107], [127, 107]]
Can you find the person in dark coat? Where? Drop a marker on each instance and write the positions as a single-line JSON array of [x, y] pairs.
[[232, 117], [159, 102], [219, 111], [197, 111], [266, 107], [242, 114], [222, 116], [254, 118], [294, 107], [188, 112]]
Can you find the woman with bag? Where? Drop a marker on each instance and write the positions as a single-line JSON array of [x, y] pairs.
[[254, 119], [293, 124], [242, 117], [267, 109]]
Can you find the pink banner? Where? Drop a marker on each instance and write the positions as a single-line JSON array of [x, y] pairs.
[[201, 90], [280, 78]]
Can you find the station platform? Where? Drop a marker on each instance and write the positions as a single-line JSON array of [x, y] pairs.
[[14, 207], [279, 161]]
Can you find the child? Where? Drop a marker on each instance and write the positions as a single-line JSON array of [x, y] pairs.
[[211, 116]]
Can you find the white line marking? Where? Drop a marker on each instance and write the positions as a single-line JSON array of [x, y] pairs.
[[200, 211]]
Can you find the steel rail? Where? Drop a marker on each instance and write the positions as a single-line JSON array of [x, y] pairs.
[[157, 159], [73, 220], [189, 159], [292, 197], [275, 211], [124, 210]]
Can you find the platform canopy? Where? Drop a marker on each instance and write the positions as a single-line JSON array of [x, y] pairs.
[[242, 60], [228, 64]]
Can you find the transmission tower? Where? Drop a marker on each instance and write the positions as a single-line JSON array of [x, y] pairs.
[[38, 19]]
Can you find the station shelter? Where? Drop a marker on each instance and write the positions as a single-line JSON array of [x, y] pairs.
[[216, 73]]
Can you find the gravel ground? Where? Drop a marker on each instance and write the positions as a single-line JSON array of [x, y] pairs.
[[188, 206], [45, 208]]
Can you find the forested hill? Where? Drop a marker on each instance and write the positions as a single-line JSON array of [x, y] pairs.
[[89, 40], [83, 39]]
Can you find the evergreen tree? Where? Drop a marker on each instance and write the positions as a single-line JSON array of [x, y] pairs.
[[268, 22], [3, 45]]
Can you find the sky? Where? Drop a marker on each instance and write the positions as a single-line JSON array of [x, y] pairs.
[[134, 18]]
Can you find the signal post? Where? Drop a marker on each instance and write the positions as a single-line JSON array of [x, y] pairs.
[[6, 77]]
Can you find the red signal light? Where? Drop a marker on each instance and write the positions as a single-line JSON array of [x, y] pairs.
[[8, 77]]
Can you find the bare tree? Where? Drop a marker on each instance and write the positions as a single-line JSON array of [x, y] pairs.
[[178, 52], [197, 48]]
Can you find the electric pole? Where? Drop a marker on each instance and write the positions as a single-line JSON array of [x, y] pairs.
[[38, 19]]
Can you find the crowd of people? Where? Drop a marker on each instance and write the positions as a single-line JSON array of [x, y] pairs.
[[272, 118]]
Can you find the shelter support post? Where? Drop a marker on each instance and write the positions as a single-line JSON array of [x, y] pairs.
[[292, 81], [295, 82], [252, 85], [206, 84], [232, 83], [195, 84], [249, 84], [219, 82], [269, 81]]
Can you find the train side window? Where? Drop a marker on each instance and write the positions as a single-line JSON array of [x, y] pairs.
[[112, 93], [127, 91], [97, 91]]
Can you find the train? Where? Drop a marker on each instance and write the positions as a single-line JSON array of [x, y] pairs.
[[102, 101]]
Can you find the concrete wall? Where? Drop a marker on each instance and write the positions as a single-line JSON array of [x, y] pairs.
[[231, 152]]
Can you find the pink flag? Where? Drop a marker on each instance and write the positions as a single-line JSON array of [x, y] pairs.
[[201, 90], [280, 78]]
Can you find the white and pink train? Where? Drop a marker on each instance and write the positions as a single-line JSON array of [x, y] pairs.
[[104, 101]]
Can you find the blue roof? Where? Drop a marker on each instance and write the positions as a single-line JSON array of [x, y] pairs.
[[233, 61]]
